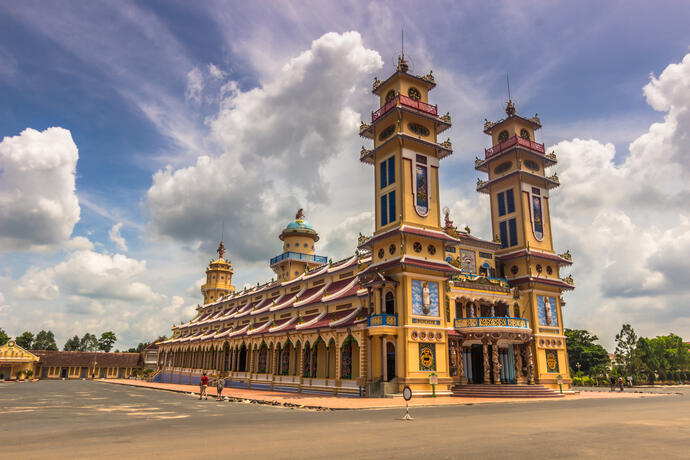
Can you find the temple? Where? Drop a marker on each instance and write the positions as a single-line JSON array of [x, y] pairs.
[[419, 303]]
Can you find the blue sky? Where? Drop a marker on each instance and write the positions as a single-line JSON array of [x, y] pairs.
[[270, 102]]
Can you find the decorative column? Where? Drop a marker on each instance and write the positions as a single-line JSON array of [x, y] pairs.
[[328, 361], [363, 358], [460, 356], [311, 361], [496, 363], [485, 355], [518, 363], [338, 358], [530, 364], [250, 366]]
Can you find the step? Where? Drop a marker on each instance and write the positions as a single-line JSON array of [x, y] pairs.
[[504, 391]]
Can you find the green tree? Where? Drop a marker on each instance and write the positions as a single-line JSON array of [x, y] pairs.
[[626, 343], [139, 347], [25, 340], [107, 340], [88, 343], [72, 344], [592, 357], [45, 340], [4, 338]]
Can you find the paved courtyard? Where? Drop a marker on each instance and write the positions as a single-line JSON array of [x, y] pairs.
[[86, 419]]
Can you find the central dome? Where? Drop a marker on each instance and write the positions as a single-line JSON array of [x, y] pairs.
[[299, 227]]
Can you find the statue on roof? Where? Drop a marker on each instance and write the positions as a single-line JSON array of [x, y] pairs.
[[221, 249], [510, 108], [300, 214]]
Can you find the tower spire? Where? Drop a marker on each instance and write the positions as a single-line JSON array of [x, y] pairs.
[[510, 108]]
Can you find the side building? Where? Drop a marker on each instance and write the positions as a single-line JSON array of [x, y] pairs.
[[420, 303], [44, 364]]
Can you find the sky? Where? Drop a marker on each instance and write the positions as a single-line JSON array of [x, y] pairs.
[[134, 133]]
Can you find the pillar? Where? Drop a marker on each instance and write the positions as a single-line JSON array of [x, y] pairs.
[[311, 372], [461, 361], [485, 356], [530, 364], [518, 362], [328, 361], [495, 362]]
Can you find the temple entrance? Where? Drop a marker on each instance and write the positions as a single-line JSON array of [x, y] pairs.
[[243, 359], [63, 373], [390, 362], [477, 361]]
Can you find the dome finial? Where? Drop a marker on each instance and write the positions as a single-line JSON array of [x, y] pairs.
[[221, 249], [300, 214]]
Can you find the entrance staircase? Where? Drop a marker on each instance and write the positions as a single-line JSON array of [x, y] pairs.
[[504, 391]]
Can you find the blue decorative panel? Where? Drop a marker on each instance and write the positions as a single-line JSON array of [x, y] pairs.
[[425, 298], [548, 311]]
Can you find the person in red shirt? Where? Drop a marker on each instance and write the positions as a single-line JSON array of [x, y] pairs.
[[203, 383]]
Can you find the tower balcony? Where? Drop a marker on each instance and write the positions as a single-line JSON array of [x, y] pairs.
[[491, 322], [309, 258], [408, 102]]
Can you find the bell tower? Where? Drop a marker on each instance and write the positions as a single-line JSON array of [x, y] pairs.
[[519, 188], [298, 254], [218, 278], [408, 273]]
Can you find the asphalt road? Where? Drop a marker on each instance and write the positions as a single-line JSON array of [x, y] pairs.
[[85, 419]]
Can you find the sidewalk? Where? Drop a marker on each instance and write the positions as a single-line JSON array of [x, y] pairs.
[[325, 402]]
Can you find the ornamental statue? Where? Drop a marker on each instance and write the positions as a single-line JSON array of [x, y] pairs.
[[221, 250], [426, 298], [300, 214]]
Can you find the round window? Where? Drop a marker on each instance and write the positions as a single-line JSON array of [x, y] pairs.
[[390, 95], [381, 253], [539, 268], [503, 136], [503, 167], [386, 132], [524, 134], [414, 93], [514, 269], [391, 249], [431, 249], [549, 270], [532, 165], [417, 246], [418, 129]]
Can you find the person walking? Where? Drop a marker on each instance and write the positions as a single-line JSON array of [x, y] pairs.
[[612, 381], [220, 383], [203, 384], [620, 383]]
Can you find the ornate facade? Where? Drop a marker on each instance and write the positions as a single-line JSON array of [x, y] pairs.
[[420, 303]]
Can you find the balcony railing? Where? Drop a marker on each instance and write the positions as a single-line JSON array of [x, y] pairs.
[[498, 148], [382, 320], [299, 256], [496, 321], [406, 101]]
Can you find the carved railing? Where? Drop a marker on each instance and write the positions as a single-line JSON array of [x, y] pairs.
[[299, 256], [497, 321], [382, 320], [406, 101], [498, 148]]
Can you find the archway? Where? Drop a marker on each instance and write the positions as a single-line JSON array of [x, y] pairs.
[[263, 359], [390, 303], [243, 358], [390, 361]]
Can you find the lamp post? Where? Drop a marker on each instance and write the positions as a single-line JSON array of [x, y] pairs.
[[578, 367]]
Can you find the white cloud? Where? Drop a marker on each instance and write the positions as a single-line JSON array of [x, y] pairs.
[[117, 238], [215, 72], [88, 274], [195, 85], [276, 141], [628, 224], [38, 204]]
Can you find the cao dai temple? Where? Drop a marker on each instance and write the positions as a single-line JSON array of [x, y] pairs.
[[419, 303]]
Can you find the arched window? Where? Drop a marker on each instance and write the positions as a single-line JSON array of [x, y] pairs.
[[524, 134], [390, 304], [503, 136], [459, 313], [390, 95]]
